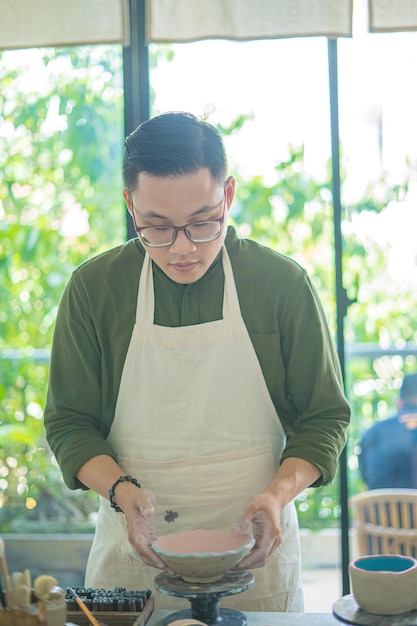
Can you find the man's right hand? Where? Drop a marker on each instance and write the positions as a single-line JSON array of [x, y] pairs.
[[138, 505]]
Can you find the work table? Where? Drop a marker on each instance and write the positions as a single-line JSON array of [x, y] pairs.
[[267, 619]]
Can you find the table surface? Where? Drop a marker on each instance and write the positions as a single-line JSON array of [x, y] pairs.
[[267, 619]]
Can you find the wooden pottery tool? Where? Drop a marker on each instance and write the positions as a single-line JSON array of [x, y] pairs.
[[43, 584], [83, 607]]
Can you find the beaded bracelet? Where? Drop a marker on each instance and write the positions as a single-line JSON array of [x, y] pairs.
[[122, 479]]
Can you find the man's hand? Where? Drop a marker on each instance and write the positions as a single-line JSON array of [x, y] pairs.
[[264, 509], [265, 516], [139, 507]]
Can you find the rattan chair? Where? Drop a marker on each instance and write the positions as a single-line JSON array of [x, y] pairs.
[[385, 521]]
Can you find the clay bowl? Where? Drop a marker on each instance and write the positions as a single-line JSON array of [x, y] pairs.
[[202, 556], [385, 584]]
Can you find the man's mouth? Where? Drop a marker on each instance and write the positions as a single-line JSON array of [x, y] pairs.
[[184, 266]]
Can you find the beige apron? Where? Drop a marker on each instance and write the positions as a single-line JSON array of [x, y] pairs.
[[195, 424]]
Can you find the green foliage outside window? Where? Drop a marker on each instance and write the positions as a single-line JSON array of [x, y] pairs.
[[60, 203], [61, 146]]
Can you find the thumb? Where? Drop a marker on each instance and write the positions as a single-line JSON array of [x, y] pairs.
[[244, 521], [147, 509]]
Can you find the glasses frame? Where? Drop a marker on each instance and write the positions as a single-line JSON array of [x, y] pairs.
[[176, 229]]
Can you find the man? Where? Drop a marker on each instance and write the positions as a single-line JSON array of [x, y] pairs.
[[193, 381], [388, 457]]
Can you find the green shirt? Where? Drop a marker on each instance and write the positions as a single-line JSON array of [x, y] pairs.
[[281, 311]]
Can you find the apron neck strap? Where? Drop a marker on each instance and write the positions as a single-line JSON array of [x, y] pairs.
[[146, 298]]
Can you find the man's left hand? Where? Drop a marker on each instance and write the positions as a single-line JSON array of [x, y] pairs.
[[265, 516]]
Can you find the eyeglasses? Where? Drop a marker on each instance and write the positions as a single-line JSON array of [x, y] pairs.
[[197, 232]]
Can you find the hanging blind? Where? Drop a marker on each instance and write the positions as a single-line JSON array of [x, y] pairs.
[[191, 20], [38, 23], [392, 15]]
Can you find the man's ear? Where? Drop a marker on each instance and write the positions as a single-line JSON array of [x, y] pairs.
[[128, 200], [229, 190]]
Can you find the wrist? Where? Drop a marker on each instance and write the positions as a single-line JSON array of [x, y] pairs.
[[112, 495], [293, 476]]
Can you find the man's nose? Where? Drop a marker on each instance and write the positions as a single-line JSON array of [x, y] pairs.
[[182, 244]]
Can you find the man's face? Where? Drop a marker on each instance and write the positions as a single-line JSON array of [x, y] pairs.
[[177, 201]]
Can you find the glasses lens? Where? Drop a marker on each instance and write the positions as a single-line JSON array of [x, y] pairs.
[[159, 236], [199, 232], [203, 231]]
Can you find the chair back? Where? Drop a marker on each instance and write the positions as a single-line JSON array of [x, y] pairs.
[[385, 521]]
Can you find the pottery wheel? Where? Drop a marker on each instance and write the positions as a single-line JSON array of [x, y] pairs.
[[347, 610], [205, 598]]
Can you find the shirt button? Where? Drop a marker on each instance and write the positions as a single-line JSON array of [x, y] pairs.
[[190, 290]]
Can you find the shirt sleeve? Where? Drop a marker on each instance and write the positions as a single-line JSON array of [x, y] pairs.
[[313, 381], [73, 412]]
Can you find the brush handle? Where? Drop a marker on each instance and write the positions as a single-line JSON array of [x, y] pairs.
[[83, 607]]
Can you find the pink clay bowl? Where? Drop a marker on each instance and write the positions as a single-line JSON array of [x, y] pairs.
[[202, 556]]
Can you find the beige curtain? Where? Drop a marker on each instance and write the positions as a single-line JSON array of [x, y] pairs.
[[392, 15], [191, 20], [37, 23]]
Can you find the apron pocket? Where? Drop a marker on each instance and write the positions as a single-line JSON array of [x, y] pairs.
[[203, 492]]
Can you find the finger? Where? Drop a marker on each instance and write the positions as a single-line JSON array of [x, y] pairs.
[[143, 546], [260, 554], [248, 514], [151, 558], [259, 563], [257, 556], [241, 525], [147, 509], [141, 539]]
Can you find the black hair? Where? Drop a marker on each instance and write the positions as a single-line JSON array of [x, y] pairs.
[[173, 144]]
